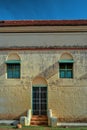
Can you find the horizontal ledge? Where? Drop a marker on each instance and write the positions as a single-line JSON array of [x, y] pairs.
[[43, 29], [13, 61], [66, 61], [39, 85], [40, 48]]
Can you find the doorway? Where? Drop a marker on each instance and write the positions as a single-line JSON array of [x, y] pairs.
[[39, 100]]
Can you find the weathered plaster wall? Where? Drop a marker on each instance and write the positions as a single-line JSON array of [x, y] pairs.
[[43, 39], [14, 100], [68, 100], [66, 97]]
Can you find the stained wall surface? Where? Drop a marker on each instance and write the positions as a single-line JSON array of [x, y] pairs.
[[43, 39], [66, 97]]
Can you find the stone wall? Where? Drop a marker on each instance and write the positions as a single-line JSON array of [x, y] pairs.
[[66, 97]]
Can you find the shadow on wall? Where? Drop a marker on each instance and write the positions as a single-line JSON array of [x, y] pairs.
[[83, 76], [2, 69], [50, 71]]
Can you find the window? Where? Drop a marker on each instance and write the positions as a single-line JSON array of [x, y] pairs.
[[13, 70], [66, 70], [66, 65], [13, 62]]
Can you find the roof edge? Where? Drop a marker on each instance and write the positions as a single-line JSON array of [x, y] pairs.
[[7, 23]]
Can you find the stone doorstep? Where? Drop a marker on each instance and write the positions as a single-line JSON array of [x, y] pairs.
[[9, 122], [71, 124], [39, 120]]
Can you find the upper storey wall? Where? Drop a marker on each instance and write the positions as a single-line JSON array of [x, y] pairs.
[[43, 33], [43, 39]]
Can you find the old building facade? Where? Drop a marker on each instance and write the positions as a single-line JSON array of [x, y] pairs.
[[43, 66]]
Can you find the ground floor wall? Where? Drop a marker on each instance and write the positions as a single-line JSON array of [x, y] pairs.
[[66, 98], [14, 102], [68, 103]]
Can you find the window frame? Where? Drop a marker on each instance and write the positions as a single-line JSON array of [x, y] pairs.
[[65, 70], [13, 62]]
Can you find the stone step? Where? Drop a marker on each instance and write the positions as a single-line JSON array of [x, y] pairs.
[[39, 120]]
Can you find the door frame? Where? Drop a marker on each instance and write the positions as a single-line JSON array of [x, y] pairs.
[[32, 95]]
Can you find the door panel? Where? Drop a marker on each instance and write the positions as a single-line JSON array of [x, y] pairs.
[[39, 100]]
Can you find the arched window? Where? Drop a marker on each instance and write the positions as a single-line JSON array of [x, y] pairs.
[[13, 66], [66, 66]]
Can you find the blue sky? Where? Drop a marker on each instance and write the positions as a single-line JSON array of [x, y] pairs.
[[43, 9]]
